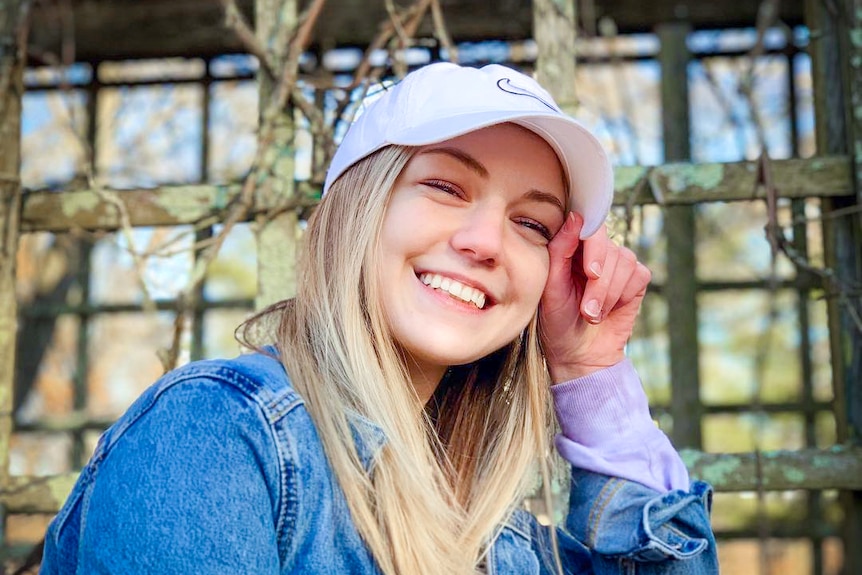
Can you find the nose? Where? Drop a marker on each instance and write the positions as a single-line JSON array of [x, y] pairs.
[[479, 236]]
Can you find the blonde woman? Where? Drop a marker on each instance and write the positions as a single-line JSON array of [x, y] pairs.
[[457, 284]]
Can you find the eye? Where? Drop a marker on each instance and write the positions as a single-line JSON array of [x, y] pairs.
[[535, 226], [444, 186]]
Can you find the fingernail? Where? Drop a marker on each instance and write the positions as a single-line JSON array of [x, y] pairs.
[[596, 268], [593, 308]]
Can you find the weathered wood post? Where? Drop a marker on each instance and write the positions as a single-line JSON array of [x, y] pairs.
[[11, 89], [836, 53], [275, 21], [681, 286], [555, 32]]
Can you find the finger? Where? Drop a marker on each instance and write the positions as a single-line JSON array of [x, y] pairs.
[[561, 250], [637, 286], [595, 252], [624, 271], [564, 244], [596, 290]]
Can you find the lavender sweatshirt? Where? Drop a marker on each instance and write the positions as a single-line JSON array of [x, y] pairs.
[[606, 428]]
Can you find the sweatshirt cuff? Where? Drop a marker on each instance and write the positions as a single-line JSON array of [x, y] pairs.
[[602, 405], [607, 428]]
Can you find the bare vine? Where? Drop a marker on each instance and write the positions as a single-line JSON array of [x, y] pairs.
[[402, 27], [395, 34], [261, 166]]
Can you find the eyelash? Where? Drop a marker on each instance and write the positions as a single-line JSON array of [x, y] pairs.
[[534, 225], [452, 189], [446, 187]]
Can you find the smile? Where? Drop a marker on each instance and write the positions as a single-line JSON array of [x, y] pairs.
[[454, 288]]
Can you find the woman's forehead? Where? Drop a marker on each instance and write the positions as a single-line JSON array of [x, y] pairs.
[[509, 147]]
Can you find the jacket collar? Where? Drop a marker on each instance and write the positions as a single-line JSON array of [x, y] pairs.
[[368, 437]]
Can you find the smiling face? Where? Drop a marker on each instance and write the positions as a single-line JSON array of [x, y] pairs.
[[463, 247]]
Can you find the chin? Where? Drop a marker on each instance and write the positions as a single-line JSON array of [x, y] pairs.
[[455, 353]]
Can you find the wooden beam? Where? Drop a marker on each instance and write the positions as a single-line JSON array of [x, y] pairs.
[[669, 184], [640, 16], [554, 28], [839, 467], [277, 236], [92, 210], [848, 232], [686, 183], [836, 468], [837, 76], [12, 59], [11, 91], [37, 494], [195, 28], [679, 229]]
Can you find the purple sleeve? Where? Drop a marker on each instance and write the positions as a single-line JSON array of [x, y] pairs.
[[606, 428]]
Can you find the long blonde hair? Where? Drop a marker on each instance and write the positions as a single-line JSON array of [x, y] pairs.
[[451, 472]]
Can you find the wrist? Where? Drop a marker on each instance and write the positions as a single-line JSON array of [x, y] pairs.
[[561, 372]]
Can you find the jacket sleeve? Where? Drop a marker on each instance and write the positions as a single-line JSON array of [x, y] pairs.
[[632, 508], [180, 487]]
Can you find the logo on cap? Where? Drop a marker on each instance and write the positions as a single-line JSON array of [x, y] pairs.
[[507, 86]]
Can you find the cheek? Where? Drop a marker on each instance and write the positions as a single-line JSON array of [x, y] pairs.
[[532, 277]]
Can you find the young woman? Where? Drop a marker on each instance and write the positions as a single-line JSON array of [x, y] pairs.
[[456, 282]]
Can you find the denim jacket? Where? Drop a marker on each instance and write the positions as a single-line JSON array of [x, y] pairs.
[[218, 469]]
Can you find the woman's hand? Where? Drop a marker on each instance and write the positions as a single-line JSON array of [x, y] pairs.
[[590, 302]]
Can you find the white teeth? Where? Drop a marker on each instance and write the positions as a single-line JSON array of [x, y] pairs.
[[479, 299], [455, 288]]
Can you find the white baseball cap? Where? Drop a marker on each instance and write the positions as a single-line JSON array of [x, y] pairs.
[[443, 101]]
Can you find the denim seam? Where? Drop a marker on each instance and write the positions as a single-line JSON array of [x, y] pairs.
[[215, 375], [514, 524], [490, 561], [251, 388], [517, 531], [288, 498], [669, 551], [76, 494], [247, 388], [605, 497], [676, 531], [85, 505], [280, 407], [274, 410]]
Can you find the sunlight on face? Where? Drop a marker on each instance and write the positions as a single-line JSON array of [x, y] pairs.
[[464, 255]]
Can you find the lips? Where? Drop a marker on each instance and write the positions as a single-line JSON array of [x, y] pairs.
[[454, 288]]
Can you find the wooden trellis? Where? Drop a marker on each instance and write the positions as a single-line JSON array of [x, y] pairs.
[[834, 176]]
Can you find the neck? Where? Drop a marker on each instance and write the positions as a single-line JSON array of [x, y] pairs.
[[425, 378]]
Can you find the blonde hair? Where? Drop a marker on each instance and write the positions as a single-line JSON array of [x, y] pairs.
[[450, 473]]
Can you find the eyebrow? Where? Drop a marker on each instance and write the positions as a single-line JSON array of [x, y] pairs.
[[479, 168], [540, 196]]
